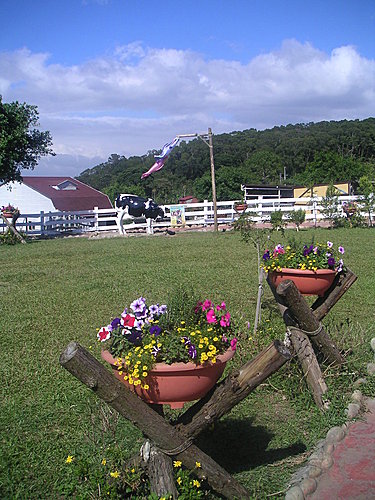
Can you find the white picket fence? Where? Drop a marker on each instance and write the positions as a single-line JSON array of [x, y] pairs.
[[55, 223]]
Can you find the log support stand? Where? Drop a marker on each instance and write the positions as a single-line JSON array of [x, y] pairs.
[[306, 332], [177, 441]]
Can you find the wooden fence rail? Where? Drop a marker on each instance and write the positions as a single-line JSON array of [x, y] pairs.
[[54, 223]]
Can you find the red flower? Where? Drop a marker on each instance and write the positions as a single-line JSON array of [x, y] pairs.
[[103, 334], [128, 320]]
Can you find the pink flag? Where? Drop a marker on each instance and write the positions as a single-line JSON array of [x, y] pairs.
[[159, 164], [162, 158]]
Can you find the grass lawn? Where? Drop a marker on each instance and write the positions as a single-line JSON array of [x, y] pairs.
[[53, 292]]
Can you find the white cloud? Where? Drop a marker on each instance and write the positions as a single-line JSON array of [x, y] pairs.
[[139, 98]]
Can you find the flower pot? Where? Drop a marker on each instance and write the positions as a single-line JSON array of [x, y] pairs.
[[240, 207], [178, 383], [308, 282]]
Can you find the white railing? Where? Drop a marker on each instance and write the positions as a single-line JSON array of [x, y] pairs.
[[55, 223]]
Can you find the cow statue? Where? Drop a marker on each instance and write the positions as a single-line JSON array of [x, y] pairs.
[[129, 206]]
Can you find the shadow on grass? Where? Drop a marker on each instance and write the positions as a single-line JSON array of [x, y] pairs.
[[239, 446]]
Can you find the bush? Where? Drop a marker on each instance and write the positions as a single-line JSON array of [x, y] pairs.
[[297, 217]]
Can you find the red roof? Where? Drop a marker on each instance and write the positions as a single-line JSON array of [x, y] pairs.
[[68, 194]]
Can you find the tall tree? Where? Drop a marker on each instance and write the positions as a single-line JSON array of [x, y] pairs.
[[21, 145]]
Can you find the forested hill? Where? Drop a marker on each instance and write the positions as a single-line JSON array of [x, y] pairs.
[[307, 153]]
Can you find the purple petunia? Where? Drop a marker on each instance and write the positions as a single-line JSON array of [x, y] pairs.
[[266, 255], [341, 250], [192, 351], [139, 308], [115, 323], [331, 262], [155, 330], [154, 310]]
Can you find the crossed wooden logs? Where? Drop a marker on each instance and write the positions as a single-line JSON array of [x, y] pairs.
[[177, 441], [167, 440]]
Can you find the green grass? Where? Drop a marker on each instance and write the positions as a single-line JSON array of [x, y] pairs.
[[62, 290]]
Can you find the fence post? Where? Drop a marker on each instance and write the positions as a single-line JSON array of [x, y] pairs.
[[260, 206], [205, 211], [42, 222], [96, 223]]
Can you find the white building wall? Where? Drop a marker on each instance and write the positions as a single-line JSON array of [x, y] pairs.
[[26, 199]]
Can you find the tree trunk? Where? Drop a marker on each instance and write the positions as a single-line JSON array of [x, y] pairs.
[[233, 389], [94, 375], [308, 323]]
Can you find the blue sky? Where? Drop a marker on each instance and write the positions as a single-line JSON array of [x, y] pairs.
[[126, 76]]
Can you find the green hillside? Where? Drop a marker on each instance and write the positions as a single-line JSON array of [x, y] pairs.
[[306, 153]]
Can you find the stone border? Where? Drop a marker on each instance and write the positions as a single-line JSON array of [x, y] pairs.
[[305, 481]]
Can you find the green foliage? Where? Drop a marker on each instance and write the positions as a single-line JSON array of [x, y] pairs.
[[297, 217], [367, 196], [21, 145], [329, 167], [330, 204], [342, 151], [277, 221]]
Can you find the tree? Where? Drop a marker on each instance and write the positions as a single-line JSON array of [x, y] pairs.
[[367, 196], [330, 204], [21, 145]]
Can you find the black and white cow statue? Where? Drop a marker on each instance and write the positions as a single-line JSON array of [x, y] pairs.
[[130, 206]]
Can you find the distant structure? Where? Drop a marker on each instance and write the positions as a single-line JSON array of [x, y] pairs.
[[50, 194]]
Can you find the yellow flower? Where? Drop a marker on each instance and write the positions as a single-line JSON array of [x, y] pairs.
[[196, 483], [115, 474], [179, 480], [69, 459], [198, 465], [146, 386], [177, 463]]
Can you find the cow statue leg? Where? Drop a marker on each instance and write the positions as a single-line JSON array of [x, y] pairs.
[[149, 227], [121, 215]]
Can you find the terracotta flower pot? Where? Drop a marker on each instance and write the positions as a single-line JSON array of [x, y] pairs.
[[308, 282], [240, 207], [177, 383]]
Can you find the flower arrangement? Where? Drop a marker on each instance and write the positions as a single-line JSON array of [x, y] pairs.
[[9, 209], [312, 257], [145, 335], [349, 208]]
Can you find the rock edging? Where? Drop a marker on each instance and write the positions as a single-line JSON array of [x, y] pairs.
[[305, 481]]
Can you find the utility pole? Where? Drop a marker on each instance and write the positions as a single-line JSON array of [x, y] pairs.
[[210, 145], [213, 177]]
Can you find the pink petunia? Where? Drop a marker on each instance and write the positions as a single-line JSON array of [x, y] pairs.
[[103, 334], [211, 318], [206, 305], [233, 344], [127, 320], [225, 320]]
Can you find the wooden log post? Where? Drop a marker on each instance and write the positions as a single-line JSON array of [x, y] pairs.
[[160, 470], [308, 323], [80, 363], [233, 389], [303, 350], [341, 285], [310, 366]]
